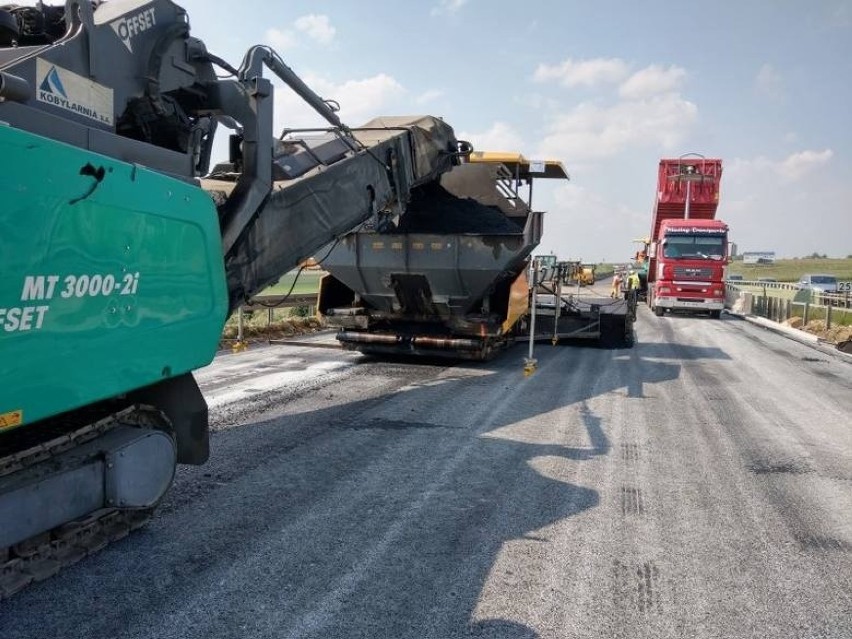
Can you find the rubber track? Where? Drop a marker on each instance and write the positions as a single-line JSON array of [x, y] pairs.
[[32, 561], [41, 557]]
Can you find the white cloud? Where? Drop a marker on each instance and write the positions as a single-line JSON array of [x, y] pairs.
[[652, 80], [572, 73], [360, 100], [316, 27], [448, 7], [278, 39], [500, 137], [798, 165], [429, 96], [569, 233], [769, 82], [793, 205], [365, 99], [590, 131], [794, 167]]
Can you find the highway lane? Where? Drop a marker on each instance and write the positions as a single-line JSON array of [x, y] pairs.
[[698, 484]]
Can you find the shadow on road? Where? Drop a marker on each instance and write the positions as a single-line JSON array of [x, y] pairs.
[[367, 519]]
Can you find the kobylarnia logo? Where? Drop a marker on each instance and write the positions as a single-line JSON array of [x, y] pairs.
[[52, 83], [65, 89]]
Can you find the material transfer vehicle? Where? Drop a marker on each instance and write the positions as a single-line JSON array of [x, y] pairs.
[[123, 253]]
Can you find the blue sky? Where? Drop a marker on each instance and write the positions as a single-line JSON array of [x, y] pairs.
[[608, 88]]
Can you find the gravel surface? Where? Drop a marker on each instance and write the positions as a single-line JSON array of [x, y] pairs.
[[698, 484]]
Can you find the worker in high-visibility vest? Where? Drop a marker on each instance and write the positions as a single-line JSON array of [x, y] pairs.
[[633, 282]]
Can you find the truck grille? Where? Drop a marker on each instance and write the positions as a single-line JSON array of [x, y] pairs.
[[692, 273]]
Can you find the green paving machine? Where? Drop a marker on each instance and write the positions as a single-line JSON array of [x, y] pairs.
[[123, 252]]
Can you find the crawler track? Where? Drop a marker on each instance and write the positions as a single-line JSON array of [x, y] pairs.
[[44, 555]]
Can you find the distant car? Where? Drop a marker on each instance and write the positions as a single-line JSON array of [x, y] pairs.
[[766, 279], [734, 278], [819, 282]]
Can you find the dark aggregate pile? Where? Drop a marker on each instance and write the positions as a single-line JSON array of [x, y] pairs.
[[433, 209]]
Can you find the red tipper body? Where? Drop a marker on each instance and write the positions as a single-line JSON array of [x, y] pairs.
[[689, 246]]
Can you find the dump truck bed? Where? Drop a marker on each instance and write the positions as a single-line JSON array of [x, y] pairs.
[[672, 177]]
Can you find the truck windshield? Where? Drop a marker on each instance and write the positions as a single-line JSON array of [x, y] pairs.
[[695, 246]]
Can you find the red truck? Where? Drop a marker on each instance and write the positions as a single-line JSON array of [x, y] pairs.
[[688, 251]]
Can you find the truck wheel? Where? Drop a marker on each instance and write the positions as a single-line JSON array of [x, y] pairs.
[[659, 310], [715, 314]]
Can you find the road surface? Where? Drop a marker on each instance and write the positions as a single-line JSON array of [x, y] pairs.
[[698, 484]]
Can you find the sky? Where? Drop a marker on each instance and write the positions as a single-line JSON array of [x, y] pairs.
[[606, 87]]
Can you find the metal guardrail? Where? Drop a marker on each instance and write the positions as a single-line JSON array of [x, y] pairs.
[[824, 306], [837, 300]]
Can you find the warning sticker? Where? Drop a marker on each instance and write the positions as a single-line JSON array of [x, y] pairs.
[[11, 419]]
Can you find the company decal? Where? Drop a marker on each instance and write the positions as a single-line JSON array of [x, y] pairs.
[[40, 292], [71, 92], [693, 230], [128, 27]]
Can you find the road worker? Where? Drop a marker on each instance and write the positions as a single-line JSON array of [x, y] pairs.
[[631, 289], [633, 282], [617, 279]]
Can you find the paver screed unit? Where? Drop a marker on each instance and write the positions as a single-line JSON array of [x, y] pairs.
[[688, 251], [122, 254], [566, 313]]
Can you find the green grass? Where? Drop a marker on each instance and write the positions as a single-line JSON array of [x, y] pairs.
[[792, 270], [839, 316], [307, 283], [604, 270]]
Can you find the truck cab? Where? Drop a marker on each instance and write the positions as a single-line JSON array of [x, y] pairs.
[[691, 256]]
